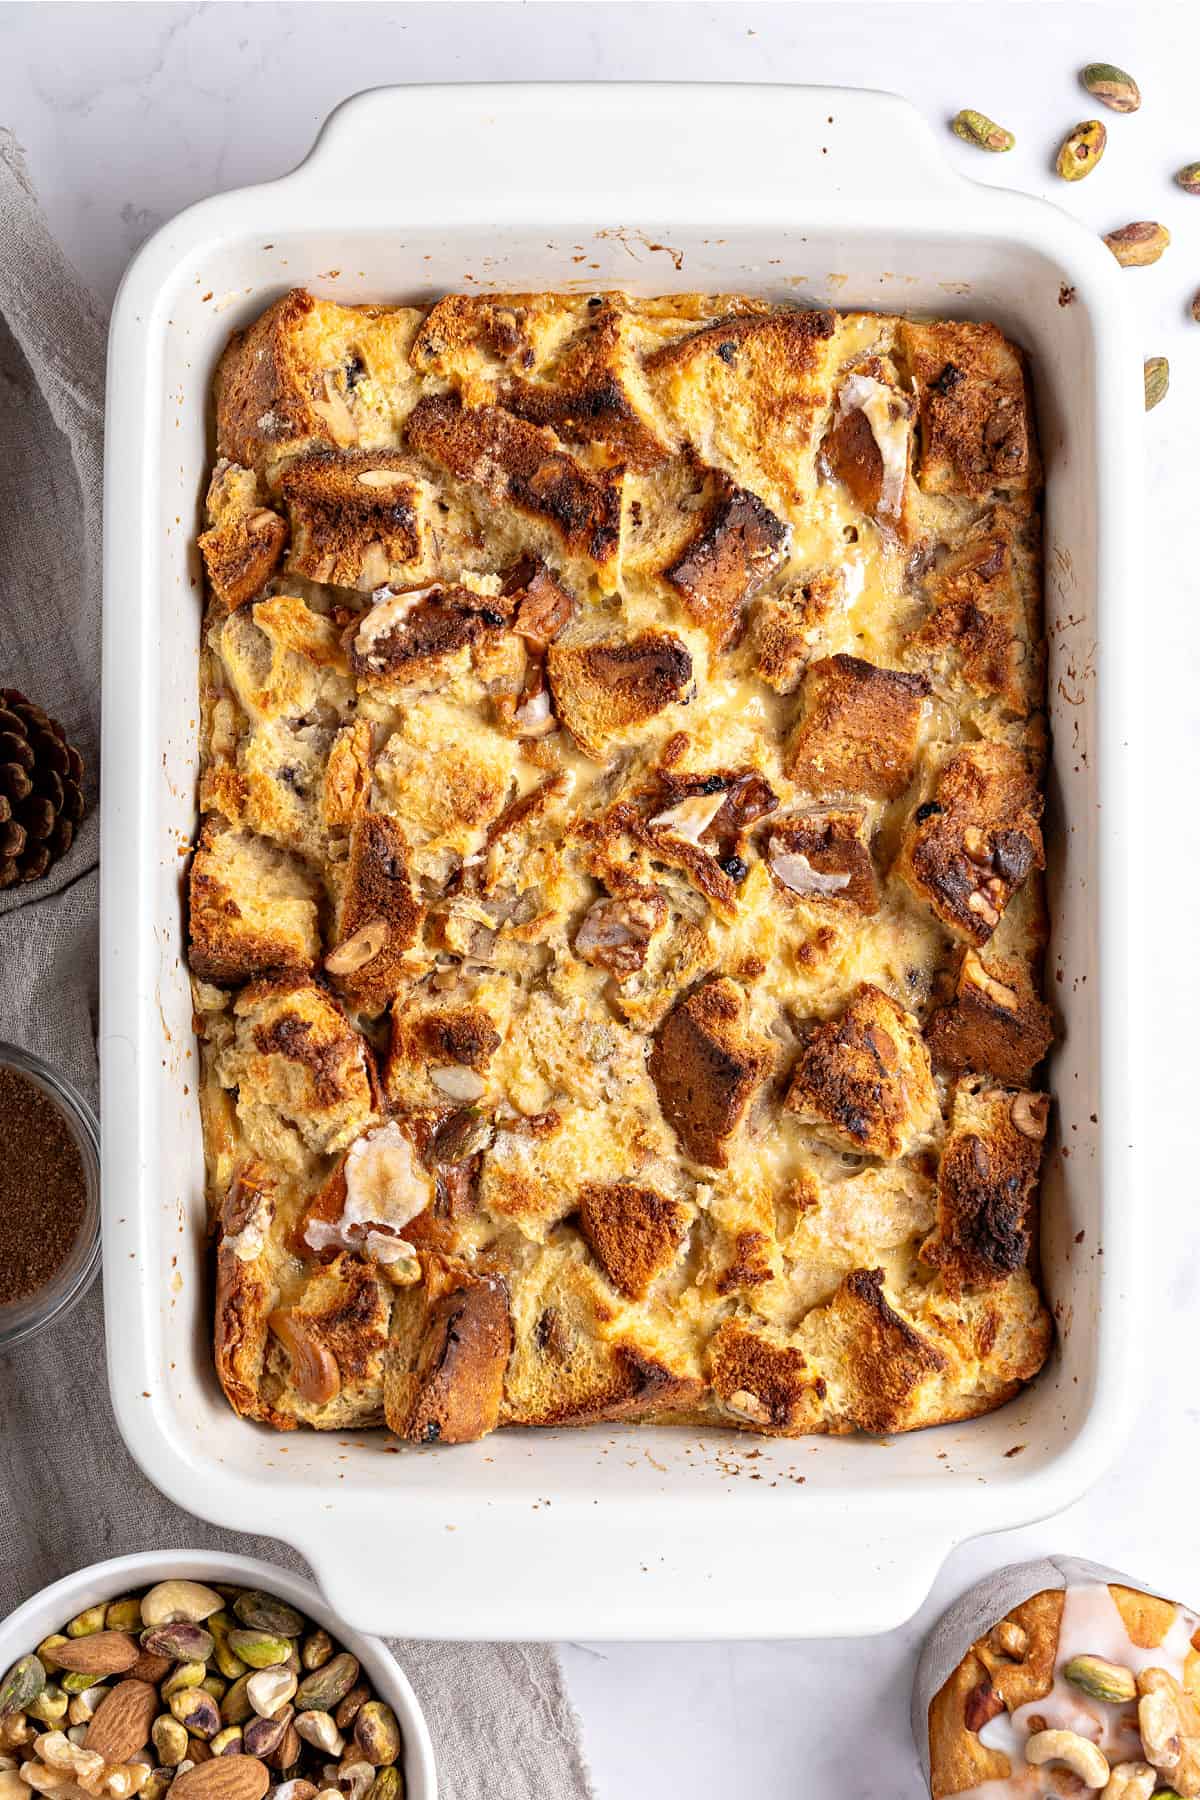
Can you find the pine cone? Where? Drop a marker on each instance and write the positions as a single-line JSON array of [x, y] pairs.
[[41, 800]]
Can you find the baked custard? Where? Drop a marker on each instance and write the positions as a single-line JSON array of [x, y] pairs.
[[616, 918]]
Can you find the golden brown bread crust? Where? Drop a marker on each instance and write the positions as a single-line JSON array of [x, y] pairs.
[[508, 790], [858, 730], [520, 465], [706, 1066]]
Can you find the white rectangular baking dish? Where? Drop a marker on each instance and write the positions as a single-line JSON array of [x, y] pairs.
[[812, 194]]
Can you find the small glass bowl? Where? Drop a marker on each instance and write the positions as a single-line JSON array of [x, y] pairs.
[[20, 1318]]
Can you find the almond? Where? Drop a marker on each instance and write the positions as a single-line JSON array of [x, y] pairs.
[[151, 1667], [223, 1778], [101, 1653], [121, 1723]]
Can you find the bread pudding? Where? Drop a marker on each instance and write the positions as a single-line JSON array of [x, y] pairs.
[[616, 920]]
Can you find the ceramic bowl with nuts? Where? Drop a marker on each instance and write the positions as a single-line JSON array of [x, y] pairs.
[[1061, 1678], [203, 1678]]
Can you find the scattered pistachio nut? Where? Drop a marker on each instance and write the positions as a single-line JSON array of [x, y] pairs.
[[51, 1706], [1157, 375], [1081, 150], [262, 1612], [236, 1707], [260, 1649], [1114, 87], [1189, 178], [123, 1615], [197, 1710], [1137, 245], [260, 1737], [387, 1785], [976, 128], [46, 1649], [347, 1709], [220, 1625], [227, 1741], [1101, 1679]]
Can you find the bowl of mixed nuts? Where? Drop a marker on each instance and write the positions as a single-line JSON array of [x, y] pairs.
[[205, 1677]]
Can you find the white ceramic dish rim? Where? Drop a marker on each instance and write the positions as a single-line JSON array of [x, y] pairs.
[[506, 1574], [48, 1610]]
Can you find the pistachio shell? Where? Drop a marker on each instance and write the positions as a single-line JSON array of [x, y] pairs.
[[377, 1733], [1112, 86], [324, 1687], [23, 1683], [1102, 1679], [169, 1738], [1157, 375], [316, 1650], [84, 1623], [263, 1612], [174, 1600], [181, 1641], [186, 1675], [1189, 178], [1081, 150], [260, 1649], [976, 128]]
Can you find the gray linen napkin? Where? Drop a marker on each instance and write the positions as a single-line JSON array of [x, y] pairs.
[[503, 1725]]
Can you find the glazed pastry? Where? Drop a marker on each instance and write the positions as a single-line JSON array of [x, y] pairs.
[[1091, 1688], [616, 919]]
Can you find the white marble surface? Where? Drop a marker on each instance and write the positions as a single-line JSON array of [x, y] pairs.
[[130, 112]]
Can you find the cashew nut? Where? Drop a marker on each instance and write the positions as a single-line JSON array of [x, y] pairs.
[[1075, 1752], [1131, 1781], [1159, 1724], [1010, 1640]]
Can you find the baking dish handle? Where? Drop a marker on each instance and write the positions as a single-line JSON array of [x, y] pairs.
[[474, 152], [649, 1572]]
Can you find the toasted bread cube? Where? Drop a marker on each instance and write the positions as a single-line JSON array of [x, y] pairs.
[[446, 774], [969, 847], [578, 1358], [245, 1292], [358, 519], [633, 1232], [604, 689], [748, 393], [331, 1341], [995, 1025], [521, 466], [863, 1080], [822, 857], [474, 340], [310, 373], [762, 1380], [737, 545], [378, 915], [425, 637], [252, 907], [976, 429], [983, 623], [346, 786], [283, 659], [439, 1052], [596, 392], [858, 729], [450, 1342], [244, 543], [868, 445], [881, 1373], [303, 1075], [706, 1066], [787, 627], [987, 1185]]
